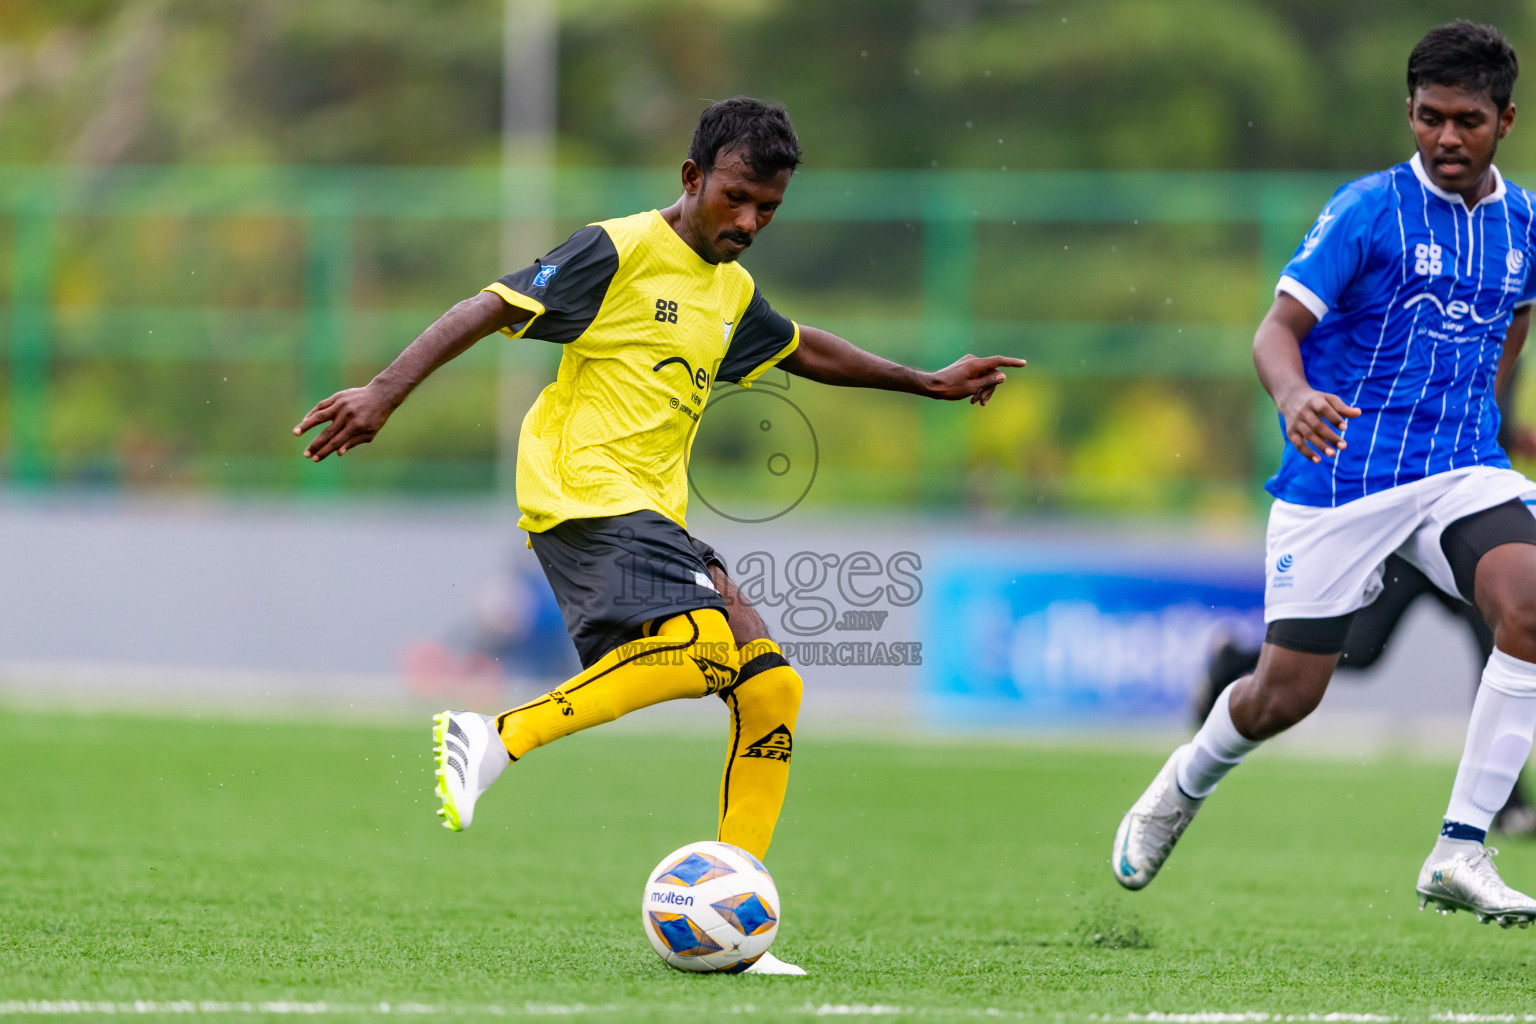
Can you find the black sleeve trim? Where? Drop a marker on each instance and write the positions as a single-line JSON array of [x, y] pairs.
[[570, 283], [763, 337]]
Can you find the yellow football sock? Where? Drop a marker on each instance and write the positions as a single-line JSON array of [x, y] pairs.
[[763, 704], [690, 655]]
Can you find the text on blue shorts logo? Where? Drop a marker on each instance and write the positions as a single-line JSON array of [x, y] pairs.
[[545, 274], [1283, 564]]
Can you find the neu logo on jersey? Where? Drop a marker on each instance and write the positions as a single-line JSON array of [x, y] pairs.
[[699, 378], [1455, 310]]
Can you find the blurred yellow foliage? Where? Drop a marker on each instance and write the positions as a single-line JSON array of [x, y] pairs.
[[1151, 436]]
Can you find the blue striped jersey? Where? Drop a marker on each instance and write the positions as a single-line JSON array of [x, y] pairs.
[[1413, 293]]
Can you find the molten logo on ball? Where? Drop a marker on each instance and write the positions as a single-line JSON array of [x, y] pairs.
[[722, 908]]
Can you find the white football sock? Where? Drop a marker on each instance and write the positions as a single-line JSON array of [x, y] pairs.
[[1498, 741], [1216, 749]]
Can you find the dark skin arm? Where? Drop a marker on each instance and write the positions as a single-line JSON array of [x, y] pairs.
[[1514, 341], [358, 414], [1314, 420], [1517, 438], [827, 359]]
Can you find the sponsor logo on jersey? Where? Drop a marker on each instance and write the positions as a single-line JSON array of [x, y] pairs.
[[699, 377], [1514, 262], [1427, 259], [546, 274], [776, 746], [1454, 310]]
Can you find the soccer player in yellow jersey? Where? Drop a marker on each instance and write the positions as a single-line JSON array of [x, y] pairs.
[[652, 310]]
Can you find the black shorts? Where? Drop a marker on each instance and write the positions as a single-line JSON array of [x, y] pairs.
[[611, 576]]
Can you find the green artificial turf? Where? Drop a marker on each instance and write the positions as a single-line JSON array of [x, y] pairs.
[[167, 860]]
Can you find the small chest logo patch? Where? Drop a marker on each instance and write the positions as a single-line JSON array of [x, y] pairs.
[[1514, 260], [546, 273]]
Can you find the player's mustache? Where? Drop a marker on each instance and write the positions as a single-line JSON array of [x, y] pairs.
[[740, 239]]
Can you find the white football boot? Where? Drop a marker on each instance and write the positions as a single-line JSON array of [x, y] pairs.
[[770, 964], [469, 756], [1151, 827], [1469, 881]]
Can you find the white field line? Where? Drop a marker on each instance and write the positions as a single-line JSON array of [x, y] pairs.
[[1252, 1017], [282, 1008]]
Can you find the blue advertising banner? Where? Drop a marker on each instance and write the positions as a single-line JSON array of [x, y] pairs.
[[1079, 634]]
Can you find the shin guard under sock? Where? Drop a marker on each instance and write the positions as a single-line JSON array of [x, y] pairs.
[[763, 706], [1498, 742]]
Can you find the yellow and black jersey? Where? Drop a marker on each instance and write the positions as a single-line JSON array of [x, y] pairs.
[[648, 327]]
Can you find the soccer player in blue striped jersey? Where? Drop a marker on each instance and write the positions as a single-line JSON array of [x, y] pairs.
[[1392, 322]]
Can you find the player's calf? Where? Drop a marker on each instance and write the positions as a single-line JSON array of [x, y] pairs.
[[1289, 681], [764, 705], [1459, 872]]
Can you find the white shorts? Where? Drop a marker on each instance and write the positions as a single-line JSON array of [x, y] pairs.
[[1322, 562]]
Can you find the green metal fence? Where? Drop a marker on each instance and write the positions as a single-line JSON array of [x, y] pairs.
[[96, 307]]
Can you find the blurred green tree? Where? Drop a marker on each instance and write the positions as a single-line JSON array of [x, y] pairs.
[[176, 337]]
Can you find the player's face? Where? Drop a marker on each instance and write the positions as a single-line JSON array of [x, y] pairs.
[[725, 209], [1457, 134]]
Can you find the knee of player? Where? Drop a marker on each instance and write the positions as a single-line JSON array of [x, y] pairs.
[[782, 689], [1514, 625], [767, 677], [1278, 701]]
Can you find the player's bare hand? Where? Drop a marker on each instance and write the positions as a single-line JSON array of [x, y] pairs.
[[1314, 423], [972, 377], [355, 417]]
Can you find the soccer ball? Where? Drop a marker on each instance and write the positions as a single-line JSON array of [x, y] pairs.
[[710, 907]]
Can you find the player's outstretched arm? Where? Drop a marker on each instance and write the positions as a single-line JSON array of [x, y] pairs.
[[1314, 420], [358, 414], [824, 357]]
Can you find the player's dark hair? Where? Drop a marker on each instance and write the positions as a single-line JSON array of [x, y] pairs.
[[1466, 56], [762, 130]]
